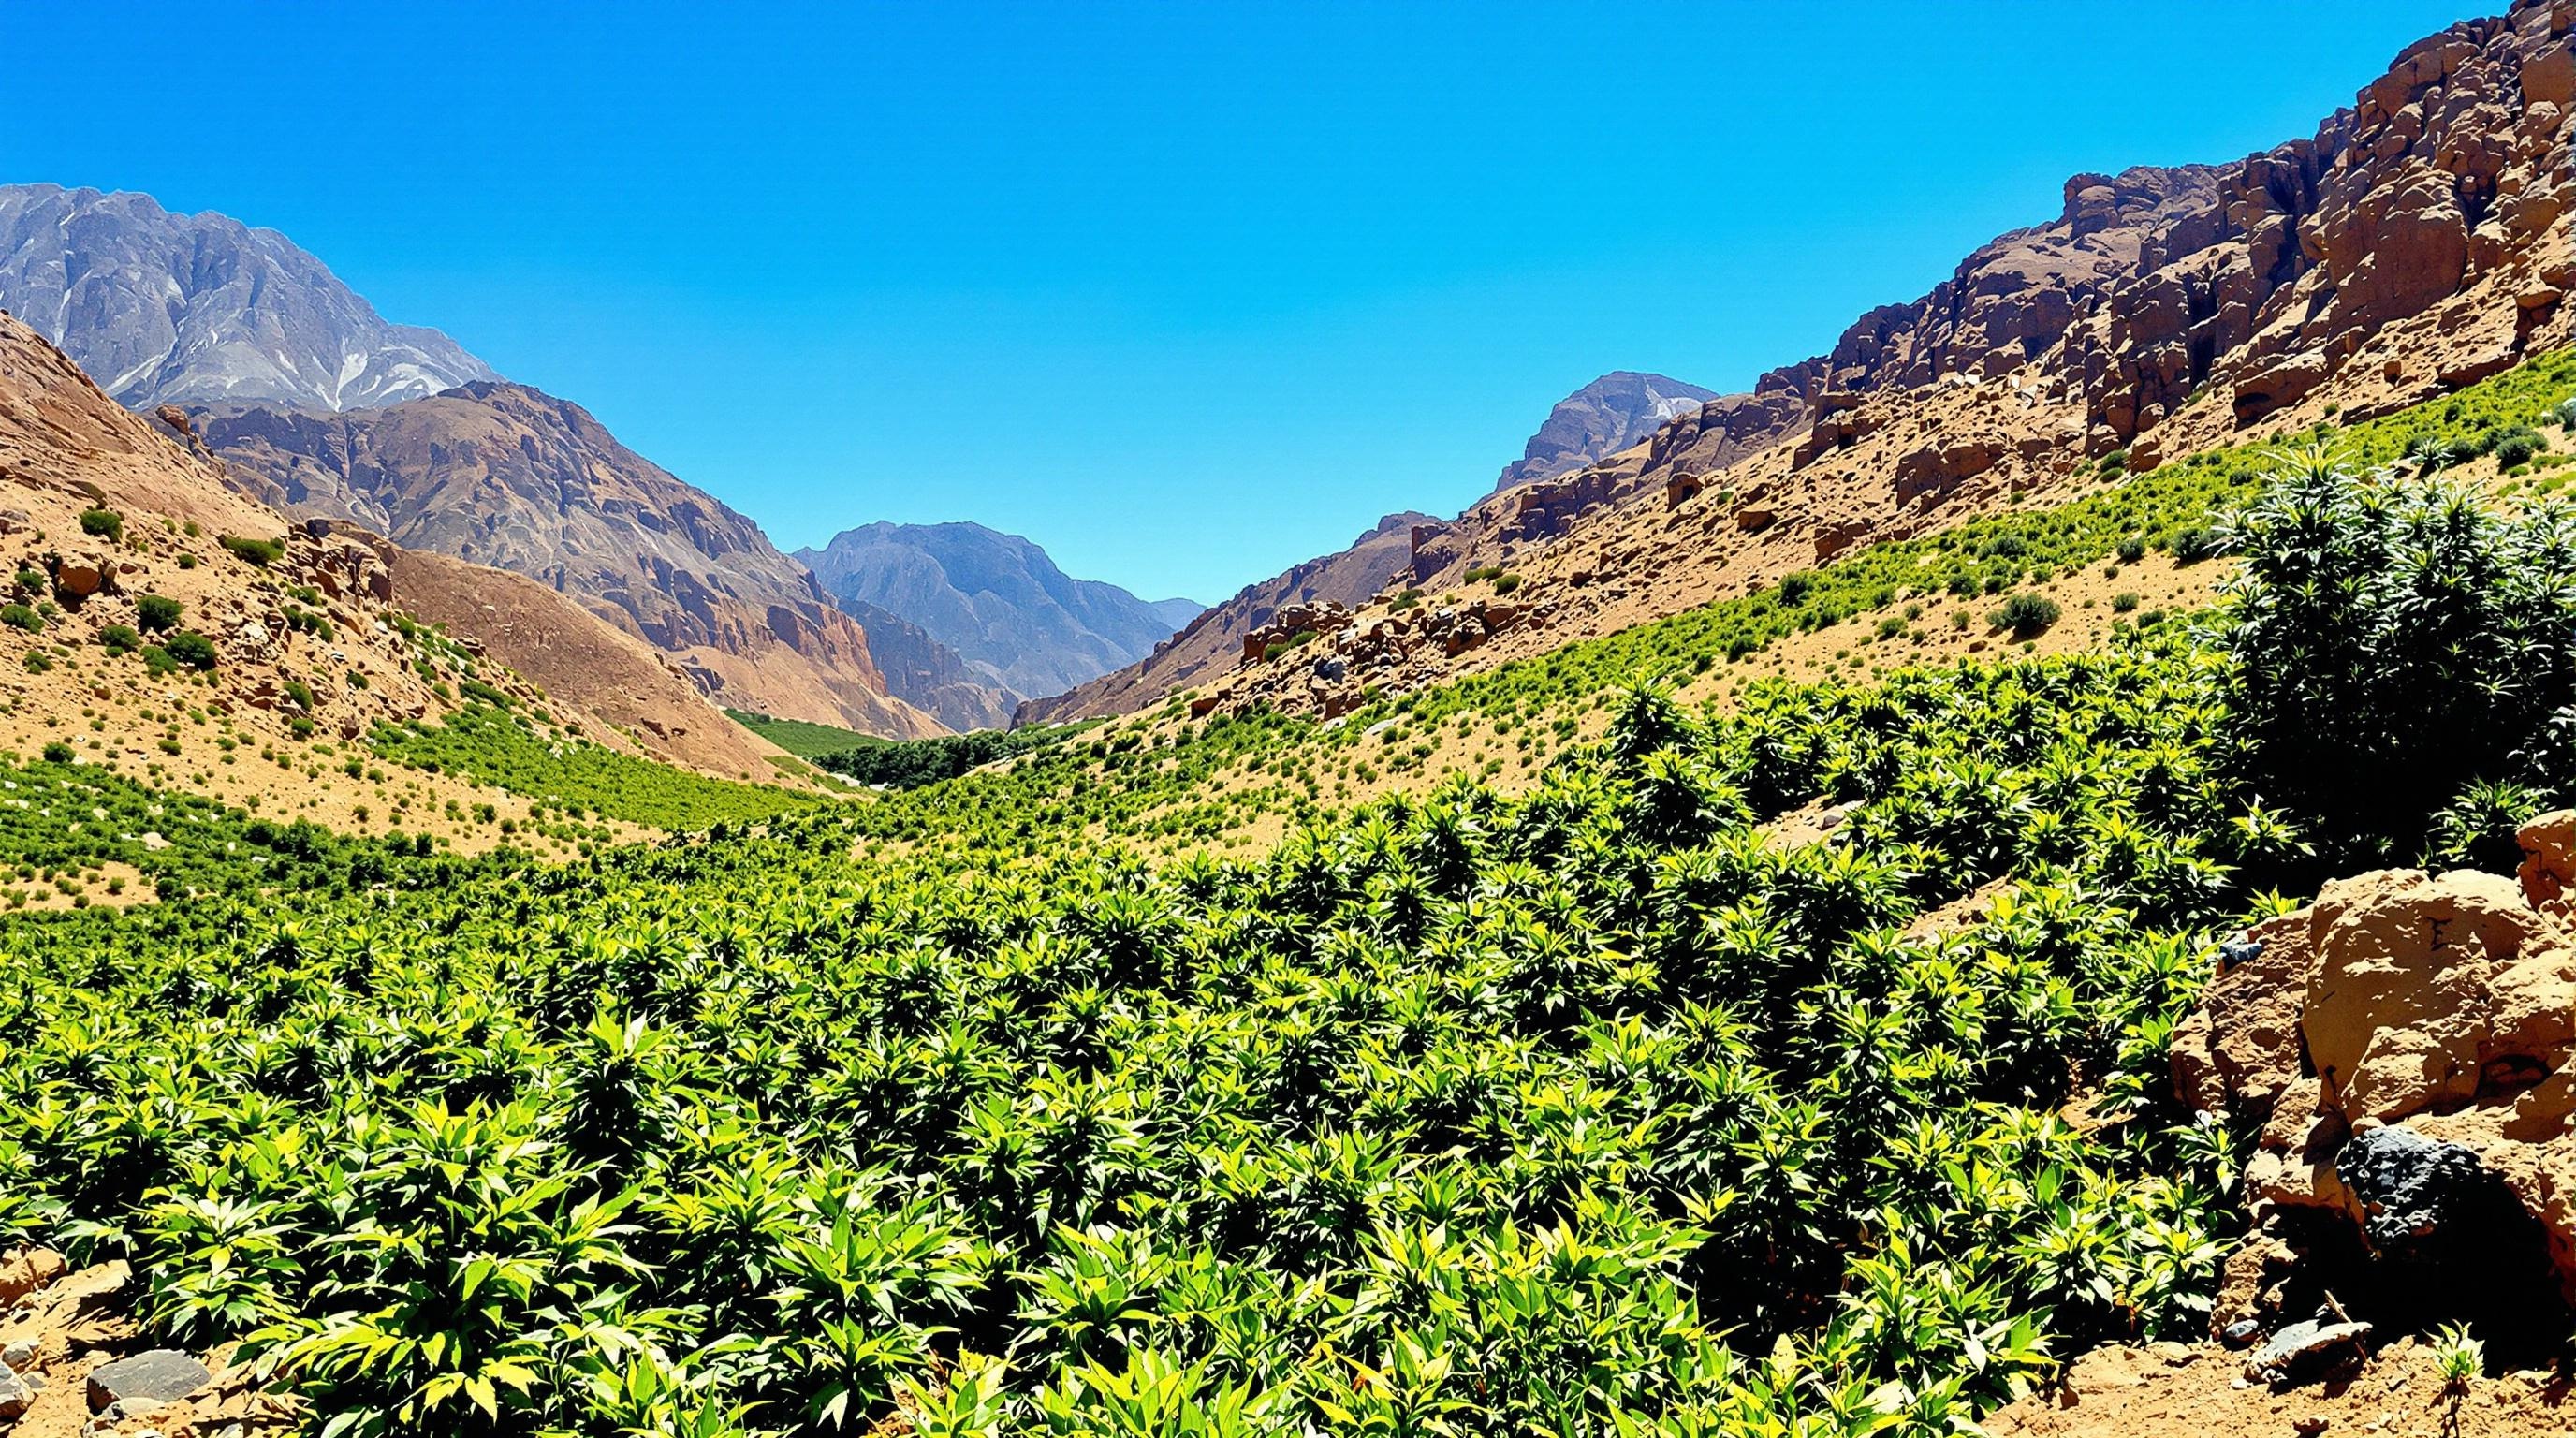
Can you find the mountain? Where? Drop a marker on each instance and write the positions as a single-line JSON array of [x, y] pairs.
[[997, 600], [2419, 240], [164, 308], [302, 646], [1599, 420], [929, 675], [507, 476], [1213, 641]]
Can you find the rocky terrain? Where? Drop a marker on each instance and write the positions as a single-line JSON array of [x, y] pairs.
[[73, 1361], [509, 477], [927, 674], [1016, 620], [1599, 420], [1212, 644], [2418, 241], [2403, 1044], [163, 308], [305, 637]]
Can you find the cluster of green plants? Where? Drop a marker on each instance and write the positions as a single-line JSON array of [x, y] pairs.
[[911, 763], [1599, 1109], [803, 738], [1596, 1110], [259, 553], [507, 748]]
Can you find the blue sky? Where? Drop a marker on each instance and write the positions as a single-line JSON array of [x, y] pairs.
[[1187, 292]]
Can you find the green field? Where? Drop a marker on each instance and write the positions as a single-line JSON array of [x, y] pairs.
[[1598, 1108], [804, 739]]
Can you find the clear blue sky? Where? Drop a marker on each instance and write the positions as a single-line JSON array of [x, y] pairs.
[[1185, 292]]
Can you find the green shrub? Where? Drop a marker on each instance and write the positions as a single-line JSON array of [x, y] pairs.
[[2368, 636], [104, 524], [1506, 583], [33, 581], [2026, 615], [58, 752], [2123, 602], [190, 648], [2132, 549], [119, 639], [257, 552], [19, 616], [154, 613]]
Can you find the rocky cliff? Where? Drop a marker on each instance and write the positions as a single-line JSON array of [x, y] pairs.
[[1019, 622], [2419, 240], [1599, 420], [163, 308], [506, 476], [928, 675]]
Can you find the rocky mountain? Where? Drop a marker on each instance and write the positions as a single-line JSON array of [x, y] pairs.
[[1599, 420], [165, 308], [1212, 642], [1017, 620], [2419, 240], [507, 476], [109, 507], [929, 675]]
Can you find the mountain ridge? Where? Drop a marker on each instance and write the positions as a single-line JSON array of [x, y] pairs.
[[161, 307], [506, 475], [1599, 420]]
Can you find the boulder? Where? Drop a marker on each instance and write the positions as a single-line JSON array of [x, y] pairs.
[[27, 1270], [78, 576], [2307, 1350], [2406, 1044], [161, 1375], [16, 1397], [2255, 1002], [2398, 1012]]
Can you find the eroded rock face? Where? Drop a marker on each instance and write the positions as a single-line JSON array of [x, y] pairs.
[[2405, 1042]]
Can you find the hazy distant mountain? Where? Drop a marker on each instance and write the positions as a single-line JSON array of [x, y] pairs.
[[1599, 420], [203, 309], [997, 600]]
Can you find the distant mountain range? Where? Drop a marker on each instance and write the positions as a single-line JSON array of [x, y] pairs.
[[997, 600], [163, 308]]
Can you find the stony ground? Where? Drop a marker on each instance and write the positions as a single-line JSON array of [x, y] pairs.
[[2173, 1391]]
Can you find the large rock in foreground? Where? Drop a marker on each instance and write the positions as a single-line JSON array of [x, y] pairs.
[[2404, 1043]]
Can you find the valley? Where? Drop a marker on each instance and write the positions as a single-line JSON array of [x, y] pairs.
[[2013, 878]]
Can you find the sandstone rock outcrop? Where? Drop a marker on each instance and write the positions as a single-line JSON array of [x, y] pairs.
[[2405, 1044]]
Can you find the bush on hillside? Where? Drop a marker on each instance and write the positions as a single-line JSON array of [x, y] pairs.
[[154, 613], [190, 648], [2027, 615], [2394, 644], [104, 524], [259, 552]]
